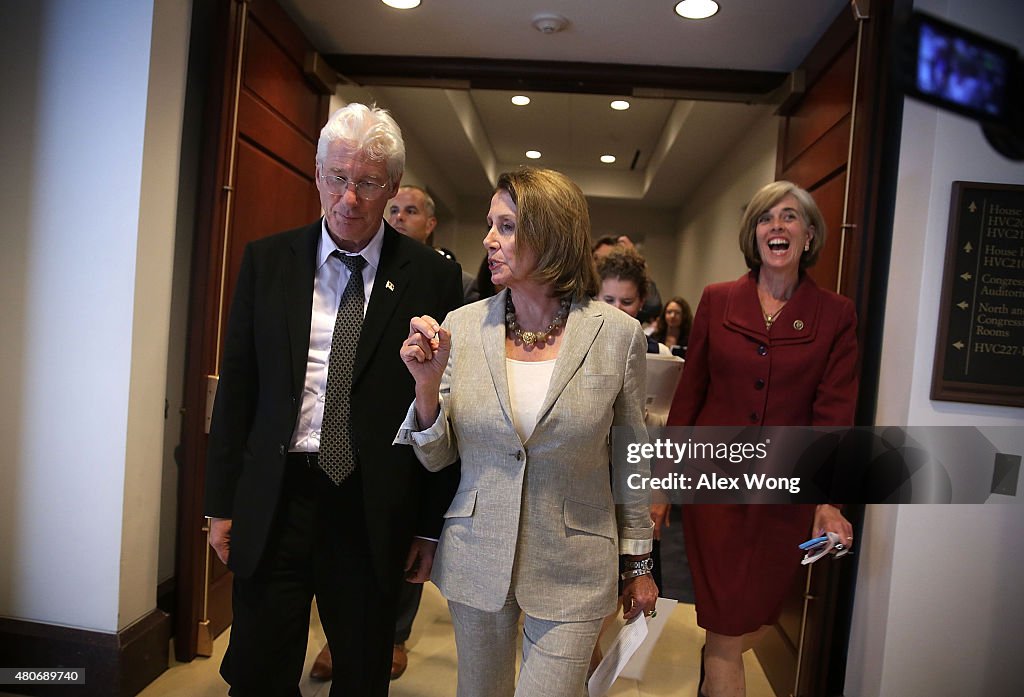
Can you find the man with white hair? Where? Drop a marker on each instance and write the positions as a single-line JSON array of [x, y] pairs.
[[412, 213], [306, 493]]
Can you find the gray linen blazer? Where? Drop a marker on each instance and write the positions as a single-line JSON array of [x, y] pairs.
[[538, 519]]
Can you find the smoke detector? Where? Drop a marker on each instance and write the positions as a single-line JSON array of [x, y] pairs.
[[549, 23]]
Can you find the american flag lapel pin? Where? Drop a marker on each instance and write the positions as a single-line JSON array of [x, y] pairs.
[[389, 285]]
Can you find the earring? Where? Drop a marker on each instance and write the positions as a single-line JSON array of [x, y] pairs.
[[807, 246]]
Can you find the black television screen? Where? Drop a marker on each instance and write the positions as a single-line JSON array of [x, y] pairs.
[[958, 70]]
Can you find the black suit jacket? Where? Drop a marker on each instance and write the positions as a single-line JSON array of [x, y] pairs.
[[263, 371]]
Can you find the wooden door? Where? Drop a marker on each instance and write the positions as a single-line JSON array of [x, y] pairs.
[[814, 142], [847, 90], [263, 119]]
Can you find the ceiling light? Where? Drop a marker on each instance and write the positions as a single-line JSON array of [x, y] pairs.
[[402, 4], [607, 159], [619, 105], [696, 9], [520, 100], [533, 154]]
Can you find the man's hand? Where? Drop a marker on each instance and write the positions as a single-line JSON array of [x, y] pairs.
[[420, 560], [220, 537]]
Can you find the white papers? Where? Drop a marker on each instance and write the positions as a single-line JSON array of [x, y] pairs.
[[628, 654], [622, 649], [663, 374], [634, 670]]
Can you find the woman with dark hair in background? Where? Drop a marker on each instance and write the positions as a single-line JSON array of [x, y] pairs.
[[674, 324]]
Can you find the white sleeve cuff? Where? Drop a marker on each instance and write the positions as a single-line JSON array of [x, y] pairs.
[[409, 432]]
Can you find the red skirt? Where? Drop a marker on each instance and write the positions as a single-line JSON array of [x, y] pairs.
[[744, 559]]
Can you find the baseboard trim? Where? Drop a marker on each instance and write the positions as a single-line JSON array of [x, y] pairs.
[[116, 665]]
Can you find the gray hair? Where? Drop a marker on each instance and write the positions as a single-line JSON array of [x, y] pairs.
[[369, 130]]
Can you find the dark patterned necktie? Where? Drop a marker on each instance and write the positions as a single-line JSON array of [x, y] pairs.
[[337, 457]]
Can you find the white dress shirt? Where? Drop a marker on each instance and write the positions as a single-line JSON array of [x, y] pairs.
[[329, 283]]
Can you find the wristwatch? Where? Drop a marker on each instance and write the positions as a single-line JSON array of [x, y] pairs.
[[645, 565], [633, 569]]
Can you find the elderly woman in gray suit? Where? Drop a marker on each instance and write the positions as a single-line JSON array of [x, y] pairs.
[[526, 387]]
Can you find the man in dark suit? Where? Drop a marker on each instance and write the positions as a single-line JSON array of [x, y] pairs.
[[307, 494], [413, 213]]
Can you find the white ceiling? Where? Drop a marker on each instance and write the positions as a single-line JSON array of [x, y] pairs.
[[471, 135]]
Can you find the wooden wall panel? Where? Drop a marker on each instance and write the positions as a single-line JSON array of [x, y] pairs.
[[272, 76], [258, 124], [288, 36], [826, 103], [262, 177], [829, 197], [822, 160]]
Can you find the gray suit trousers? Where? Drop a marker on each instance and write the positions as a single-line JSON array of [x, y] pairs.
[[556, 655]]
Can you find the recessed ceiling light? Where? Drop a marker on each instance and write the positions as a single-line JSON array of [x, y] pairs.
[[402, 4], [607, 159], [619, 105], [696, 9], [520, 100], [533, 154]]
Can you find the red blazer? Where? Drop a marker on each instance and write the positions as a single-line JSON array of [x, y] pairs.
[[802, 373]]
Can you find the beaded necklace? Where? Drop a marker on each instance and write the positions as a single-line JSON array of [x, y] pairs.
[[535, 338]]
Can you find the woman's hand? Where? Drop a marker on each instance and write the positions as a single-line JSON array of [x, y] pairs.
[[425, 354], [828, 518], [639, 594], [660, 516]]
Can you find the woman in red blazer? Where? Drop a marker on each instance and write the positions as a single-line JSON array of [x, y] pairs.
[[770, 348]]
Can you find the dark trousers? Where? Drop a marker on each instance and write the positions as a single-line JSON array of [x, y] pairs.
[[317, 547], [408, 606]]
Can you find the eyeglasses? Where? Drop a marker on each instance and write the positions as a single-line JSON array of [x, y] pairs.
[[366, 190]]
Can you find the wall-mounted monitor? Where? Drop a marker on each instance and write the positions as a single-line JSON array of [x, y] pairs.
[[958, 70]]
